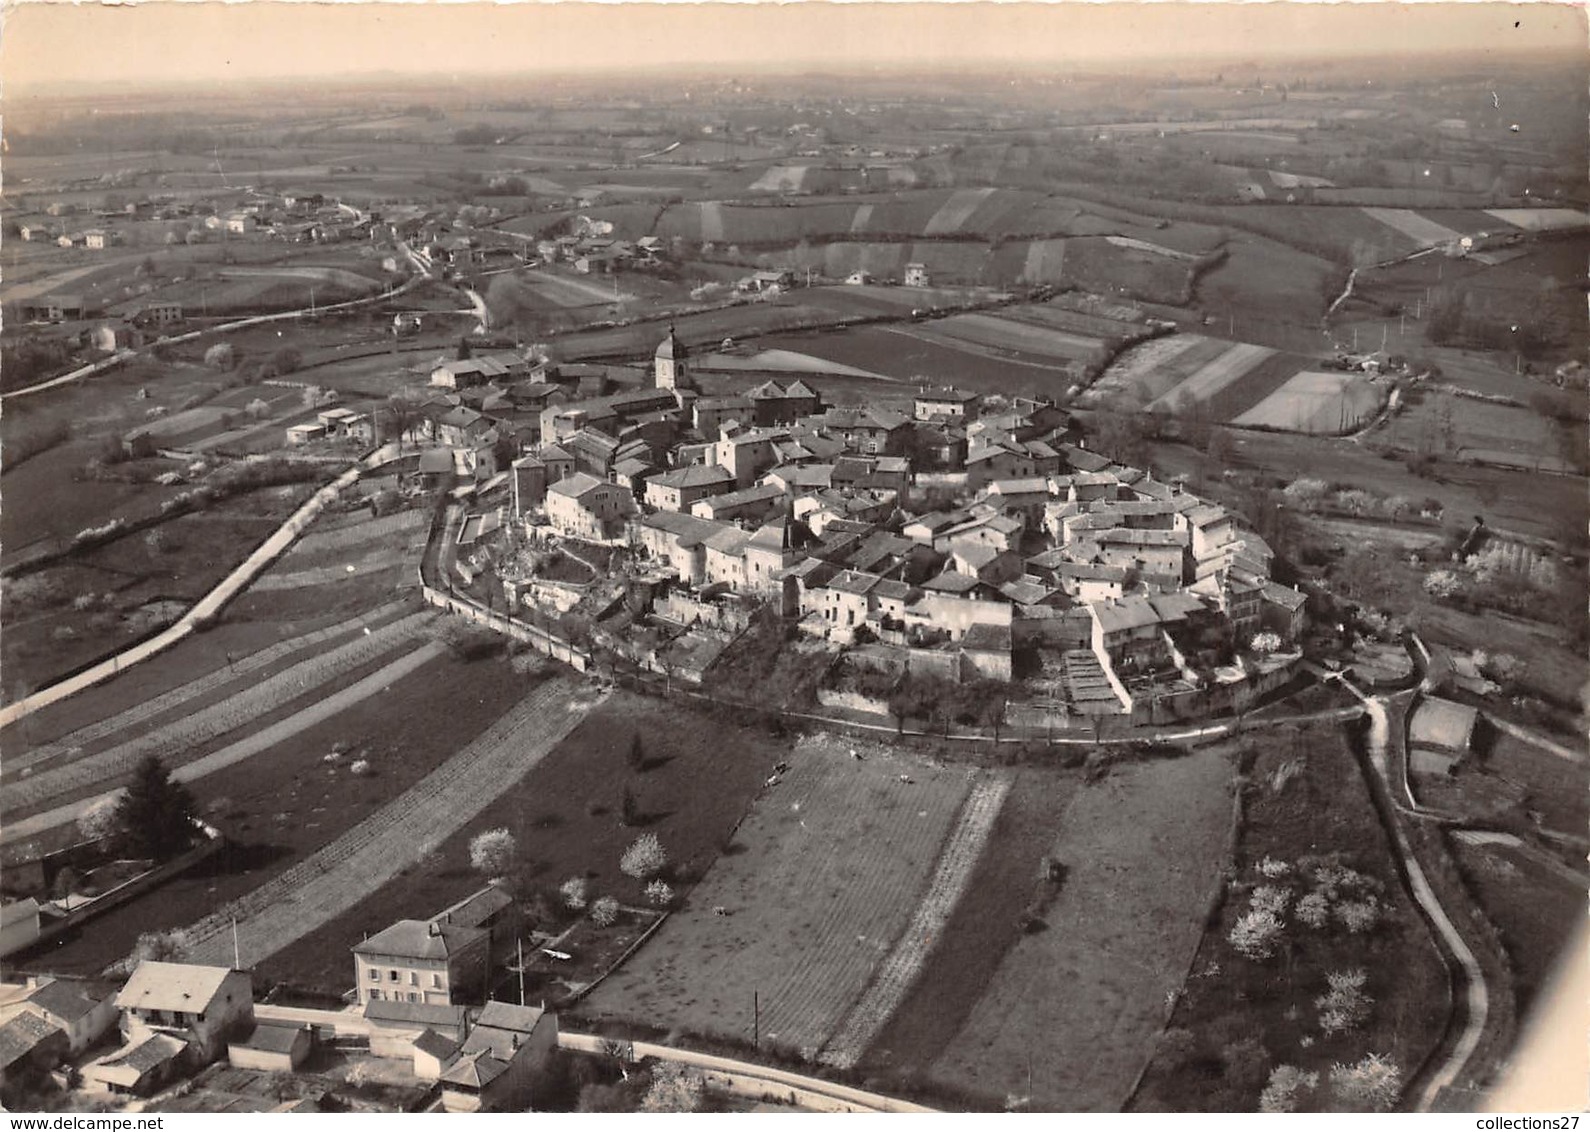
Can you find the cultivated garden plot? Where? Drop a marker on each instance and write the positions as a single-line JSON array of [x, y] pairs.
[[806, 906], [1075, 1007], [1149, 371], [1209, 379], [1542, 219], [956, 211]]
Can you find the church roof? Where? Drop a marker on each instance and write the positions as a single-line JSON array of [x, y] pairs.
[[671, 347]]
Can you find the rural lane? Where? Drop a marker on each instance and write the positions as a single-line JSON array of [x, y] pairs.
[[330, 881], [1475, 993]]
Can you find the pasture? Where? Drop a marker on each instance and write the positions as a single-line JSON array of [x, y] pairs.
[[1075, 1007], [564, 817], [816, 888]]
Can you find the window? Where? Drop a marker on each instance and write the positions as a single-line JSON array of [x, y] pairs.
[[375, 995], [436, 980], [393, 976], [375, 976], [414, 979], [413, 997]]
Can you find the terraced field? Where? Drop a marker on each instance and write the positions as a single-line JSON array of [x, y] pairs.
[[180, 740], [319, 888], [824, 879], [194, 693]]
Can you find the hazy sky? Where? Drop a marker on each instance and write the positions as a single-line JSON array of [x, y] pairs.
[[46, 40]]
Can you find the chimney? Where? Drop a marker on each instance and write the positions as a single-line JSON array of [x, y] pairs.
[[433, 929]]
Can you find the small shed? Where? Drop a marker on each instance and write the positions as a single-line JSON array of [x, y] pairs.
[[272, 1047], [1444, 724]]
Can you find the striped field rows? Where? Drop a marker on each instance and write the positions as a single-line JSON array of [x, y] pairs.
[[254, 743], [193, 689], [332, 880], [176, 742], [904, 964]]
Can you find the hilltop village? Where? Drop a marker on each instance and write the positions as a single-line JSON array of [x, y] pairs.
[[977, 539]]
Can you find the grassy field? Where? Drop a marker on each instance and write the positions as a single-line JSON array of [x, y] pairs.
[[1075, 1008], [981, 930], [816, 887], [1237, 1017], [564, 818], [1536, 911], [905, 353]]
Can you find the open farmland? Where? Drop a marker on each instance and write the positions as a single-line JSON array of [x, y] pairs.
[[400, 833], [563, 816], [904, 353], [1075, 1008], [1240, 383], [278, 812], [1330, 402], [826, 874]]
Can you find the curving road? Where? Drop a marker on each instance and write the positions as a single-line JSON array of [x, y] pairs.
[[1474, 991]]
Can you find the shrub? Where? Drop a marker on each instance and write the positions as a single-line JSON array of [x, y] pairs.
[[604, 912], [221, 356], [1256, 934], [1246, 1063], [1345, 1006], [1359, 916], [1443, 584], [285, 360], [361, 768], [1265, 643], [492, 852], [100, 820], [660, 893], [1314, 910], [645, 858], [1286, 1082], [1270, 898], [1373, 1084], [1274, 869], [573, 893]]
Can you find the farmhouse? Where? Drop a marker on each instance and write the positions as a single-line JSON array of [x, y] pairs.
[[954, 405], [83, 1011], [916, 275], [420, 961], [199, 1006], [501, 1061]]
